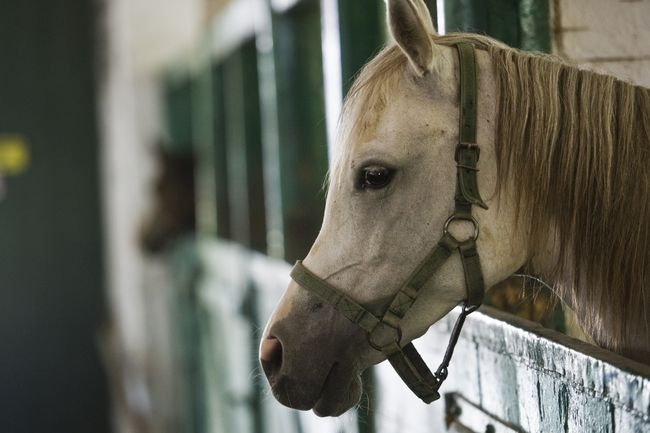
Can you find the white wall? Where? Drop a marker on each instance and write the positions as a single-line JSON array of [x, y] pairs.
[[610, 36], [141, 36]]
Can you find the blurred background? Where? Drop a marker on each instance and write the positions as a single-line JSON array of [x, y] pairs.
[[161, 162]]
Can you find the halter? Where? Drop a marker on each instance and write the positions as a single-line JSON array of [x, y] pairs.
[[384, 332]]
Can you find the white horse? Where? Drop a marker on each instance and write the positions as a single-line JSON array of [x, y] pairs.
[[563, 170]]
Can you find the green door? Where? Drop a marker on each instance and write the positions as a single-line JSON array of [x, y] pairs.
[[51, 294]]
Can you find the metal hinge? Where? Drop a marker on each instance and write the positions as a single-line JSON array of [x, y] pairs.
[[462, 416]]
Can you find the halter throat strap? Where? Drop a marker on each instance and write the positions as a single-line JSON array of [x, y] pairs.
[[384, 332]]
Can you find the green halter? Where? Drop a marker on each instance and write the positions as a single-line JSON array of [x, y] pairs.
[[384, 333]]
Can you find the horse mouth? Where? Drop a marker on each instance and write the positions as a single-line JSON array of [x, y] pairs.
[[338, 393], [341, 391]]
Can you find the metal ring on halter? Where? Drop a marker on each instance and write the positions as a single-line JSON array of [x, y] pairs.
[[397, 339], [471, 219]]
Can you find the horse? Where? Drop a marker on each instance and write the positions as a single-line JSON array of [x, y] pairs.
[[562, 169]]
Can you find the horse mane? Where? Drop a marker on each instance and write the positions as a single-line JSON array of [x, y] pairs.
[[574, 146]]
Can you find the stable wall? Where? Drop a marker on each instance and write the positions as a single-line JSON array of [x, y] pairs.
[[610, 36]]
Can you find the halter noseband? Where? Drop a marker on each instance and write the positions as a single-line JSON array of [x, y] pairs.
[[384, 332]]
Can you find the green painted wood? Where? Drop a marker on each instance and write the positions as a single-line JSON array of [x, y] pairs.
[[244, 148], [203, 136], [503, 21], [254, 153], [361, 27], [177, 93], [366, 411], [301, 124], [186, 334], [235, 126], [432, 5], [466, 15], [270, 145], [250, 309], [519, 23], [497, 18], [220, 169], [534, 22], [52, 300]]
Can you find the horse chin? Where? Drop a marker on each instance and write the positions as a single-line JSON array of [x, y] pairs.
[[340, 391], [293, 394]]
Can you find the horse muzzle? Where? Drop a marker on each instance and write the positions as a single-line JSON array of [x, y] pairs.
[[309, 354]]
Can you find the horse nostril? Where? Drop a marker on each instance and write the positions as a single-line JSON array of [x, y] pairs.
[[271, 355]]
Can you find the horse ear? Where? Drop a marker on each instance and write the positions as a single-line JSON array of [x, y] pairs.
[[411, 26]]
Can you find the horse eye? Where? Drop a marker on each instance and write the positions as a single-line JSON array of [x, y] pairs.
[[375, 177]]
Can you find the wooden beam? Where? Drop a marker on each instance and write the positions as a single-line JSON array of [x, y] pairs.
[[300, 109]]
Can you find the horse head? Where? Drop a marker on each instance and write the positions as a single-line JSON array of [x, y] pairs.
[[390, 192]]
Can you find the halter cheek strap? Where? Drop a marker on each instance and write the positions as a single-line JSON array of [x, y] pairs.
[[384, 332]]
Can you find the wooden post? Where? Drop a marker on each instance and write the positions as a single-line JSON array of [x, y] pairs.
[[244, 148], [362, 31], [534, 21], [178, 112], [220, 168], [203, 133], [497, 18], [302, 144], [519, 23]]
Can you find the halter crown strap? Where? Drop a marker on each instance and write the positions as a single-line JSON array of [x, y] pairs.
[[467, 152], [384, 333]]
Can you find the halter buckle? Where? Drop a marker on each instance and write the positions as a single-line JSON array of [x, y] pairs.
[[467, 146], [381, 332]]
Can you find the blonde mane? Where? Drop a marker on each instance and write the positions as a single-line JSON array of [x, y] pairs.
[[575, 146]]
